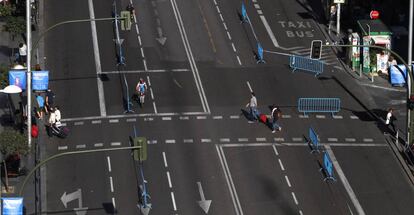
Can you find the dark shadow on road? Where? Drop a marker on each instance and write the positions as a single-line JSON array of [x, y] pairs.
[[270, 189]]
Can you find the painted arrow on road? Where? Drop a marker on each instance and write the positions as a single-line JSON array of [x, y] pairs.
[[204, 204], [73, 196], [161, 39]]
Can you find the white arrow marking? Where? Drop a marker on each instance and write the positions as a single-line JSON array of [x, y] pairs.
[[161, 39], [204, 204], [144, 211], [72, 196]]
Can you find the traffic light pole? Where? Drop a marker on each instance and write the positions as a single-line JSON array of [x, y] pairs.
[[409, 81]]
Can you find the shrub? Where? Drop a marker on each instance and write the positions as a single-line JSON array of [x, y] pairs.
[[13, 142]]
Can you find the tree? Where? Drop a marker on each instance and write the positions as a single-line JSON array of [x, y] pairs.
[[13, 142], [15, 25], [3, 75], [6, 10]]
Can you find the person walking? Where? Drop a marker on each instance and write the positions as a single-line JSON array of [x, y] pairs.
[[389, 120], [141, 88], [22, 54], [58, 115], [275, 115], [40, 105], [252, 105], [50, 97]]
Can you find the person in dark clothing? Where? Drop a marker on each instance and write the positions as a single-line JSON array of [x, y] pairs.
[[275, 115], [50, 97]]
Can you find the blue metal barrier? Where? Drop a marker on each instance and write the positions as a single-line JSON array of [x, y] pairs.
[[313, 140], [306, 64], [328, 167], [322, 105]]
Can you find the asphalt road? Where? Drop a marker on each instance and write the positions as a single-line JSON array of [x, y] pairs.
[[199, 63]]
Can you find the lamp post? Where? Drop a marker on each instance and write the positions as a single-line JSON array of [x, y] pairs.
[[29, 74]]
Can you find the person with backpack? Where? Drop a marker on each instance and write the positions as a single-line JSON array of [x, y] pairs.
[[141, 88], [275, 115]]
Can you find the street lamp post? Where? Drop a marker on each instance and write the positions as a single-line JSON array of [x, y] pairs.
[[29, 74]]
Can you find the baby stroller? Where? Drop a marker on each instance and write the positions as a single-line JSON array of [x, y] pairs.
[[59, 130]]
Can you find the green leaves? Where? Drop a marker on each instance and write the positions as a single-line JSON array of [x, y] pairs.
[[13, 142], [7, 10], [15, 25]]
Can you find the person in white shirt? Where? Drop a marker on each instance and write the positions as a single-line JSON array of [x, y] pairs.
[[389, 120], [22, 53], [253, 106], [57, 113]]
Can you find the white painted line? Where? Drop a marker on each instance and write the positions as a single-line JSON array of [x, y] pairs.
[[286, 116], [281, 165], [169, 179], [350, 139], [257, 6], [152, 141], [184, 118], [166, 118], [63, 124], [238, 59], [148, 119], [165, 159], [113, 120], [261, 139], [169, 141], [243, 139], [287, 181], [300, 212], [217, 117], [173, 201], [234, 117], [98, 145], [260, 12], [228, 35], [333, 139], [96, 53], [201, 117], [225, 28], [152, 94], [269, 31], [96, 121], [188, 140], [79, 123], [131, 120], [338, 117], [221, 17], [248, 85], [279, 139], [234, 48], [111, 183], [354, 117], [301, 144], [108, 160], [62, 148], [368, 140], [320, 116], [155, 107], [344, 180], [218, 9], [215, 3], [113, 202], [81, 146], [275, 150], [294, 198], [304, 116], [149, 81], [206, 140], [115, 143], [224, 140], [297, 139]]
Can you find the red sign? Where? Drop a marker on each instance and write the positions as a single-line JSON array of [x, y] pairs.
[[374, 14]]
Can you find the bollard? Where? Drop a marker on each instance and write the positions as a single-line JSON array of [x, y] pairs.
[[360, 70]]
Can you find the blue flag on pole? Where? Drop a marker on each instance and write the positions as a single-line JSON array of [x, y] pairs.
[[12, 206], [244, 12], [40, 80], [18, 78], [259, 52], [328, 165]]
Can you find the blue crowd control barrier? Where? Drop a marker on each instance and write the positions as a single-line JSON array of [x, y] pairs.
[[322, 105], [306, 64], [328, 167], [313, 140]]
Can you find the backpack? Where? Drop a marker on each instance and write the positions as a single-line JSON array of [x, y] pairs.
[[35, 131]]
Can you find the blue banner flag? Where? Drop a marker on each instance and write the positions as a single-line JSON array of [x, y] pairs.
[[328, 165], [259, 52], [243, 12], [314, 140], [12, 206], [40, 80], [18, 78], [396, 77]]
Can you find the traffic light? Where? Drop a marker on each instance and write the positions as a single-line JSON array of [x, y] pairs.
[[141, 153], [126, 20], [316, 49], [410, 103]]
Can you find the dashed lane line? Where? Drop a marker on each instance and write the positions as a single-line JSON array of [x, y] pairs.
[[206, 140], [261, 139], [113, 120], [166, 118], [350, 140], [294, 198], [169, 141], [243, 139], [281, 165], [79, 123], [62, 148], [217, 117], [169, 179], [297, 139], [115, 143], [288, 181], [201, 117], [96, 121], [331, 139], [188, 140], [224, 140], [164, 156], [173, 201], [131, 120], [234, 117], [82, 146]]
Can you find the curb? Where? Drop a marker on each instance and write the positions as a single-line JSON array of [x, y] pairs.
[[402, 161]]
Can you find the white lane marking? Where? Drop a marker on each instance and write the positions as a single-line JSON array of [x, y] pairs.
[[302, 144], [287, 181], [115, 143], [165, 159], [234, 117], [113, 120], [320, 116], [108, 160], [228, 35], [184, 117], [300, 212], [63, 124], [286, 116], [218, 9], [132, 115], [257, 6], [303, 116], [221, 17], [166, 118], [368, 140], [206, 140], [149, 81], [248, 85], [173, 201], [169, 141], [215, 3], [98, 145], [188, 140], [217, 117], [260, 12], [297, 139], [275, 150], [279, 139], [62, 147], [338, 117], [281, 165], [243, 139], [261, 139], [269, 31], [344, 180], [131, 120], [155, 107], [152, 141], [225, 27], [169, 179], [354, 117], [294, 198], [238, 59], [151, 93], [148, 119], [112, 184], [79, 123], [96, 53], [201, 117], [113, 202], [350, 139], [96, 121], [81, 146], [330, 139], [234, 48], [224, 140]]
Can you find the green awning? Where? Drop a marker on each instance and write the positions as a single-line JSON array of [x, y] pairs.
[[373, 27]]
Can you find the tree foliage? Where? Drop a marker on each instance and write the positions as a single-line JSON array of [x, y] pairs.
[[3, 75], [15, 25], [13, 142], [6, 10]]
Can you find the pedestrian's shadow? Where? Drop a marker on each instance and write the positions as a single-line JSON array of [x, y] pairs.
[[250, 117]]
